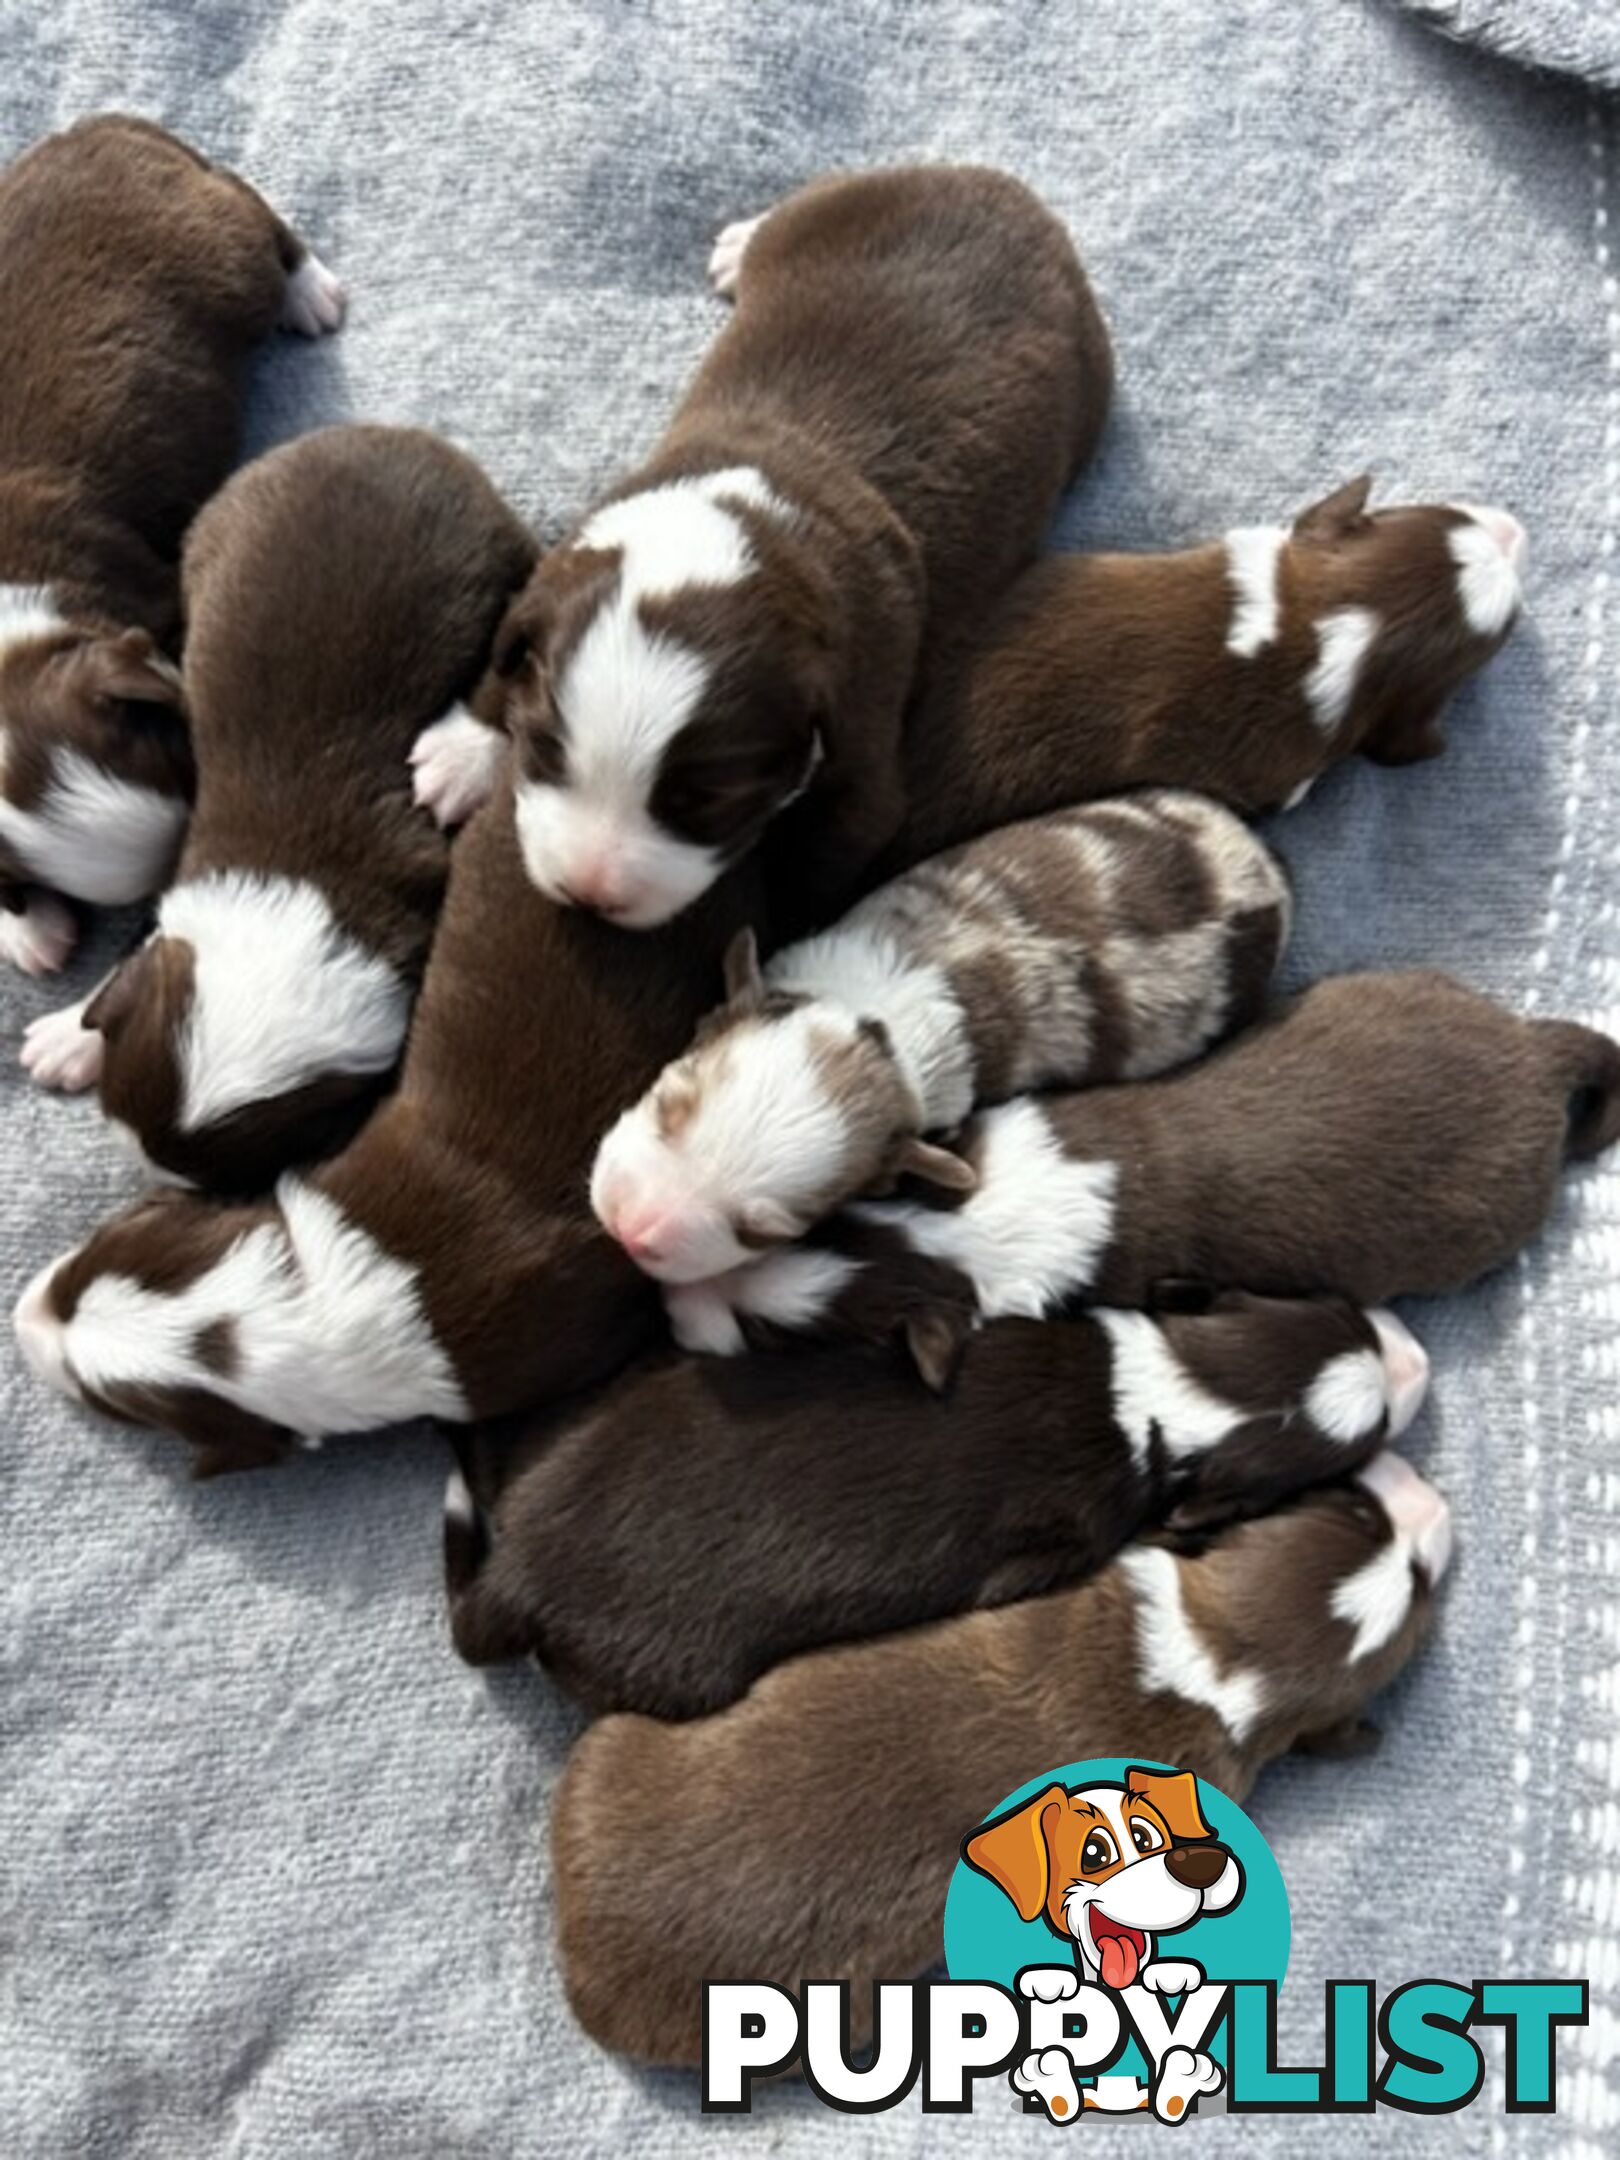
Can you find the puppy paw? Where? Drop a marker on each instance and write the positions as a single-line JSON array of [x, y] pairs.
[[59, 1051], [703, 1319], [1171, 1976], [726, 256], [40, 936], [1049, 1983], [1182, 2077], [455, 764], [1048, 2076], [314, 300]]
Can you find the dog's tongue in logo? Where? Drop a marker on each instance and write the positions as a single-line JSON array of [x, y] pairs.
[[1120, 1948]]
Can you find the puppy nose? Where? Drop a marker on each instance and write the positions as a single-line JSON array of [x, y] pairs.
[[1504, 528], [643, 1236], [1195, 1867], [1416, 1511], [598, 885], [1406, 1369]]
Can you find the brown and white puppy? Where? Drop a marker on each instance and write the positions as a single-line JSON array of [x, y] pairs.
[[339, 593], [858, 1770], [1381, 1136], [446, 1263], [755, 1510], [1245, 668], [1105, 943], [871, 450], [135, 281]]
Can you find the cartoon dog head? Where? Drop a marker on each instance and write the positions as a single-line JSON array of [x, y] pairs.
[[1111, 1867]]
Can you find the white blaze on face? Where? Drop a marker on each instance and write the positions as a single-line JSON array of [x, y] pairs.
[[1490, 553], [1376, 1599], [1355, 1391], [761, 1143], [624, 695]]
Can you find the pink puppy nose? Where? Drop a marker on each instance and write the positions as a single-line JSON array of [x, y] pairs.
[[1406, 1369], [596, 883], [642, 1235], [1503, 527], [1417, 1511]]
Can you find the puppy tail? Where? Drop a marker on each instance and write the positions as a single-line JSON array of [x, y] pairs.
[[1589, 1066]]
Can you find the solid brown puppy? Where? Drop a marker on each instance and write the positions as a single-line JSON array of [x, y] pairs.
[[810, 1829], [340, 594], [135, 280], [755, 1509], [1245, 668], [871, 450], [1381, 1136]]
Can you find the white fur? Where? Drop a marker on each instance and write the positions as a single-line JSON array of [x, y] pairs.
[[314, 301], [1489, 552], [1172, 1658], [455, 764], [27, 612], [726, 257], [39, 936], [458, 1501], [859, 968], [1151, 1387], [1253, 557], [626, 693], [59, 1051], [330, 1332], [1376, 1599], [793, 1288], [1034, 1232], [1348, 1398], [1406, 1369], [1296, 796], [280, 994], [92, 834], [1343, 641]]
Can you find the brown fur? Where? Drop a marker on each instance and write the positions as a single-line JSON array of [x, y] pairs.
[[671, 1861]]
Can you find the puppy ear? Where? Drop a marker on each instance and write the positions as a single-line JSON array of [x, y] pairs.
[[936, 1340], [514, 640], [129, 667], [745, 985], [935, 1166], [1336, 514], [111, 1003], [1175, 1795], [1015, 1850]]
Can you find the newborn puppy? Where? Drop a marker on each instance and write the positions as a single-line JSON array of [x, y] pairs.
[[811, 1828], [876, 444], [446, 1263], [1245, 668], [1097, 944], [756, 1510], [1381, 1136], [135, 281], [340, 593]]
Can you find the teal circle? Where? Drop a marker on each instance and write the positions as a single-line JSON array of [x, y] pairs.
[[986, 1940]]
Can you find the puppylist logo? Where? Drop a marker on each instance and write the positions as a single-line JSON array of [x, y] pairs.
[[1115, 1935]]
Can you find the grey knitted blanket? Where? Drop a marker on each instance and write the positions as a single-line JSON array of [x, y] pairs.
[[274, 1863]]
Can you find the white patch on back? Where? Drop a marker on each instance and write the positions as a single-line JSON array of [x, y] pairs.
[[1348, 1399], [281, 994], [28, 612], [329, 1331], [1253, 555], [92, 834], [1151, 1387], [1172, 1658], [1487, 577], [1034, 1232], [1343, 641]]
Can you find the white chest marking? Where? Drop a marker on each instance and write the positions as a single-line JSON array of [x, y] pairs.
[[1343, 641], [1253, 556], [1172, 1658], [1347, 1399]]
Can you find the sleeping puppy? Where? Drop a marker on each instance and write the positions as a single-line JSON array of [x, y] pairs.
[[873, 447], [445, 1263], [1105, 943], [755, 1510], [1245, 668], [811, 1828], [1381, 1136], [135, 281], [340, 593]]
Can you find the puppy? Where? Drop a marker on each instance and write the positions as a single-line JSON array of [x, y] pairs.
[[1098, 944], [1381, 1136], [1245, 668], [876, 444], [446, 1262], [755, 1510], [810, 1828], [340, 593], [135, 281]]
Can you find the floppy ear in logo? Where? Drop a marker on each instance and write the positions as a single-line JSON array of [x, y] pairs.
[[1175, 1795], [1016, 1851]]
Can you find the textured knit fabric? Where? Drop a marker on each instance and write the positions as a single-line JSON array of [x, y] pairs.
[[275, 1865]]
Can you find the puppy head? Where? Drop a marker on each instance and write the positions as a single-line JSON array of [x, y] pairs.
[[95, 765], [1393, 610], [140, 1323], [667, 680], [1252, 1398]]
